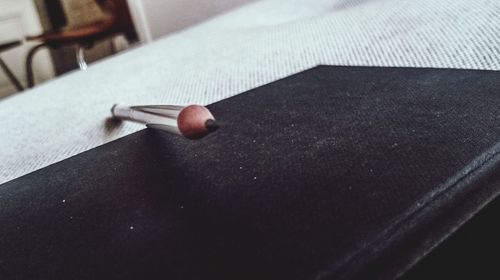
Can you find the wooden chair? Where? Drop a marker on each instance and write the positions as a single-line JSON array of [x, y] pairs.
[[117, 21], [13, 79]]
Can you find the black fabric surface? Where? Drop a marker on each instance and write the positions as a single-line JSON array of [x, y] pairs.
[[469, 253], [336, 172]]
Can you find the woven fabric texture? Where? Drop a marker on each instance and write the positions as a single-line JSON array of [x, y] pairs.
[[230, 54]]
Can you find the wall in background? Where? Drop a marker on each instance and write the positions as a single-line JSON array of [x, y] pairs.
[[158, 18]]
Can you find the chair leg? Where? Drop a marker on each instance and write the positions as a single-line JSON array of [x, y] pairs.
[[80, 57], [11, 75], [29, 64]]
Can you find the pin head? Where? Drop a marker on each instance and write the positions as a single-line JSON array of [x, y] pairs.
[[196, 121]]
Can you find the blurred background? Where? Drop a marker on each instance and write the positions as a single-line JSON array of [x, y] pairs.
[[43, 39]]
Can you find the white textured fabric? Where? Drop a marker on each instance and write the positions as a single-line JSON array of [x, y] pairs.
[[238, 51]]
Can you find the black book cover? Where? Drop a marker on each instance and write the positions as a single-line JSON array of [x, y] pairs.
[[335, 172]]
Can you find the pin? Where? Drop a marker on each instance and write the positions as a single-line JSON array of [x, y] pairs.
[[193, 121]]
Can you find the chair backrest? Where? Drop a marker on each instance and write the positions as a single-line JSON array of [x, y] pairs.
[[123, 20], [114, 12], [81, 12]]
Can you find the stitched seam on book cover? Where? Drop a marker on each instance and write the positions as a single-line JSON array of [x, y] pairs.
[[428, 200]]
